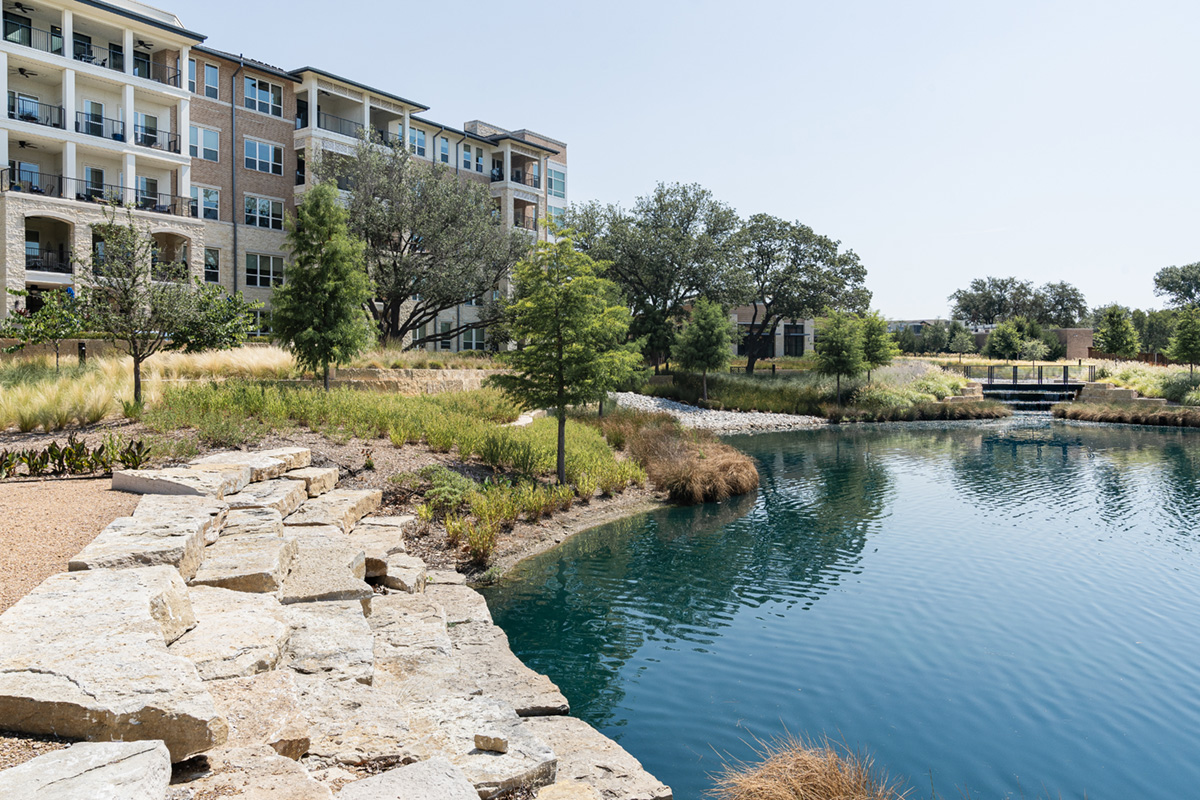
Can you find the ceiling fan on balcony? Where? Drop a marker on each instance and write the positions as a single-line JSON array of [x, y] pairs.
[[24, 9], [24, 73], [144, 45], [24, 145]]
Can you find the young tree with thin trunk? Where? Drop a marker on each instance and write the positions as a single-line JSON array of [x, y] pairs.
[[573, 334], [879, 348], [963, 342], [706, 342], [318, 312], [1185, 344], [840, 349], [58, 318]]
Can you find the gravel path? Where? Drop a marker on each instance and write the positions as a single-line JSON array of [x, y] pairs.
[[722, 422]]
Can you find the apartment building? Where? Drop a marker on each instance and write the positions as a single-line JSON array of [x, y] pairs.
[[793, 337], [117, 103]]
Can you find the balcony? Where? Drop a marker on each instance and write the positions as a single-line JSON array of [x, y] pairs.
[[346, 127], [390, 139], [526, 222], [159, 73], [37, 183], [47, 262], [47, 42], [25, 110], [155, 139], [100, 56], [518, 176], [103, 127]]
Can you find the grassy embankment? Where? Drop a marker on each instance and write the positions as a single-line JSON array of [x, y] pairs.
[[905, 391], [1130, 414]]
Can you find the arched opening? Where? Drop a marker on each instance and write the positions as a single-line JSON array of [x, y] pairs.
[[47, 245], [169, 260]]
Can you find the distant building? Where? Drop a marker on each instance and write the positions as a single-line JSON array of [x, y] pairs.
[[793, 337]]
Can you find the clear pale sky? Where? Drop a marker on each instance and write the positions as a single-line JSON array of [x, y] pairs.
[[941, 141]]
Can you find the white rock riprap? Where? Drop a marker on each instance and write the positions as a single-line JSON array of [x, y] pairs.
[[720, 422]]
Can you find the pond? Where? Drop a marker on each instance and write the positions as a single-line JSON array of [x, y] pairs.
[[1008, 608]]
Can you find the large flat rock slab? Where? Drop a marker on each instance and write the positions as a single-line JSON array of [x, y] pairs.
[[341, 508], [353, 724], [210, 513], [331, 639], [481, 650], [327, 566], [236, 634], [317, 480], [404, 573], [127, 542], [588, 756], [462, 603], [293, 457], [210, 482], [263, 709], [433, 779], [412, 645], [254, 773], [281, 495], [380, 537], [92, 771], [263, 464], [84, 656], [253, 522], [247, 563]]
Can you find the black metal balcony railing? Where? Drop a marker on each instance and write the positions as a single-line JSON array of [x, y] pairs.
[[91, 192], [32, 111], [152, 137], [160, 73], [390, 139], [346, 127], [23, 180], [103, 127], [526, 221], [100, 56], [48, 262], [517, 177], [25, 35]]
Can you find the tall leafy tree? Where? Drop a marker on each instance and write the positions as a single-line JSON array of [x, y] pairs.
[[1060, 305], [573, 335], [318, 312], [1180, 284], [1115, 333], [840, 349], [705, 343], [1185, 344], [879, 348], [791, 272], [1154, 328], [963, 342], [988, 301], [221, 322], [59, 318], [432, 240], [935, 337], [1005, 341]]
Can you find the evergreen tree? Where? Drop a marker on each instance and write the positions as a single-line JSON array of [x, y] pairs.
[[317, 312], [58, 318], [573, 335], [840, 349], [1115, 333], [906, 340], [879, 348], [935, 337], [1004, 341], [1185, 344], [963, 342], [705, 342]]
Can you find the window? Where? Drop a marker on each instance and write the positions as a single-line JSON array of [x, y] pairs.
[[94, 180], [556, 214], [557, 183], [263, 157], [421, 333], [793, 340], [416, 141], [206, 203], [263, 212], [264, 271], [445, 342], [212, 265], [445, 150], [145, 129], [203, 143], [141, 64], [473, 339], [212, 77], [147, 192], [192, 75], [263, 96], [466, 156], [479, 159], [262, 323], [93, 118], [116, 56]]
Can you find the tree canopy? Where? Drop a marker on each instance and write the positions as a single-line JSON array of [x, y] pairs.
[[59, 318], [879, 347], [989, 301], [1115, 333], [1185, 344], [705, 343], [840, 348], [1180, 284]]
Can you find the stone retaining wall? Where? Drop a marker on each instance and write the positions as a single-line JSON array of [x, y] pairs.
[[251, 612], [1108, 393]]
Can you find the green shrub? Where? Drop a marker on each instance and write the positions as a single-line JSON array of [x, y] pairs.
[[447, 491]]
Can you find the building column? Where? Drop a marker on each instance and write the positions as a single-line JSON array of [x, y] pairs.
[[185, 54], [314, 113], [128, 46], [507, 164], [129, 176], [404, 129], [68, 99], [366, 113], [129, 113], [185, 183], [70, 170], [68, 33], [4, 92], [184, 121]]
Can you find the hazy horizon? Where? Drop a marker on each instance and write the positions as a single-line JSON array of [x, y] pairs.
[[942, 142]]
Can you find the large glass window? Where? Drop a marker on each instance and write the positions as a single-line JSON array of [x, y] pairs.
[[416, 141], [147, 192], [479, 159], [466, 156], [192, 75], [473, 339], [557, 183], [264, 271], [212, 77], [212, 265], [446, 341], [263, 96], [445, 150], [264, 157], [263, 212], [203, 143], [206, 203]]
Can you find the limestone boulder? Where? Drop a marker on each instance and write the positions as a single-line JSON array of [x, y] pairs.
[[568, 790], [281, 495], [263, 709], [84, 656], [379, 538], [331, 639], [211, 513], [326, 566], [213, 482], [412, 645], [247, 563], [587, 756], [482, 651], [92, 770], [177, 541], [462, 603], [293, 457], [445, 576], [341, 508], [236, 634], [262, 467], [253, 521], [353, 724], [404, 573], [255, 773], [433, 779], [317, 480]]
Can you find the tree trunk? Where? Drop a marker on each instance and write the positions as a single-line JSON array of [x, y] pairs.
[[602, 406], [56, 357], [137, 380], [751, 358], [326, 376], [704, 381], [562, 445], [839, 389]]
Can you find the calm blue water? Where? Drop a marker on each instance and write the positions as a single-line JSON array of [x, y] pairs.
[[1005, 607]]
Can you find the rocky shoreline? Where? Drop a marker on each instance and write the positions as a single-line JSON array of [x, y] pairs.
[[719, 422], [251, 631]]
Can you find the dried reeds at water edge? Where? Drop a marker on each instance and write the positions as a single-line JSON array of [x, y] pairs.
[[798, 769]]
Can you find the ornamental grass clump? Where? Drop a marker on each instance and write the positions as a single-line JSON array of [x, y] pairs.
[[797, 769], [692, 466]]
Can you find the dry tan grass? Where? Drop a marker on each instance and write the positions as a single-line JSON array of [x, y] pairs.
[[692, 466], [796, 769]]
